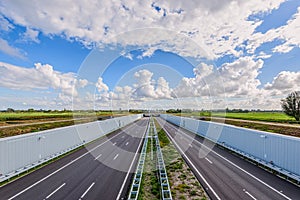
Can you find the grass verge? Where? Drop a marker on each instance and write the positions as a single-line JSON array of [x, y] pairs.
[[150, 185], [183, 183]]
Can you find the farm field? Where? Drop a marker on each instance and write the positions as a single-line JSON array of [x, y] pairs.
[[21, 115], [260, 116], [275, 122], [16, 123], [279, 117]]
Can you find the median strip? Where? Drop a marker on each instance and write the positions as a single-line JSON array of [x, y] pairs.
[[135, 187], [184, 184]]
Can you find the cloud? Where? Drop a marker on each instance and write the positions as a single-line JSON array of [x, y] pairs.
[[162, 89], [196, 28], [12, 51], [5, 25], [233, 85], [31, 35], [101, 87], [144, 89], [284, 83], [235, 79], [147, 88], [41, 77], [263, 55], [144, 86], [289, 35]]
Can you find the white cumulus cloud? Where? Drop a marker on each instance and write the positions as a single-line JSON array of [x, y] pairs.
[[7, 49], [217, 27], [235, 79], [42, 77], [284, 83]]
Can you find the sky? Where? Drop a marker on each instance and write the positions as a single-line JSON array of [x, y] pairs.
[[156, 54]]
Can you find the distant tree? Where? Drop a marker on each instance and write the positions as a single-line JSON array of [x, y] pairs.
[[291, 105], [10, 110]]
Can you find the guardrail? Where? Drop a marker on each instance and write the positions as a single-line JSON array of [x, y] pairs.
[[162, 174], [135, 187], [163, 177], [275, 151], [21, 153]]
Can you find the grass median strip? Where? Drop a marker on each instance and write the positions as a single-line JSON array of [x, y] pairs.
[[150, 183], [183, 183]]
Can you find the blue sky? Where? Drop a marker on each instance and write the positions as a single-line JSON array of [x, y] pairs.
[[241, 52]]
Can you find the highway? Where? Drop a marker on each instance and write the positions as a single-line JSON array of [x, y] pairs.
[[101, 170], [225, 175]]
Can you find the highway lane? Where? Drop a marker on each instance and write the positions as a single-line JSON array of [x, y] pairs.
[[225, 175], [95, 172]]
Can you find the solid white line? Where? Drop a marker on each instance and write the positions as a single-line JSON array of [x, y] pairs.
[[31, 186], [151, 147], [208, 160], [98, 157], [182, 152], [250, 195], [116, 156], [126, 143], [238, 167], [87, 190], [129, 170], [55, 190]]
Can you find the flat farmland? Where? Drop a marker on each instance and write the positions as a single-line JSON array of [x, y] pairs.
[[279, 117], [16, 123], [275, 122], [258, 116]]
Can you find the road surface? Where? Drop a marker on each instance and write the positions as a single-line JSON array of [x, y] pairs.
[[99, 171], [225, 175]]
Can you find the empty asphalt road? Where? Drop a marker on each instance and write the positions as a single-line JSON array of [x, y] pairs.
[[101, 170], [225, 175]]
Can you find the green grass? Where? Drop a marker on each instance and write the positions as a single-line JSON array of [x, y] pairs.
[[23, 115], [6, 116], [256, 116], [261, 116], [149, 188]]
